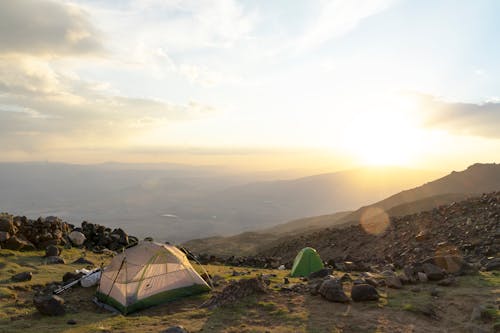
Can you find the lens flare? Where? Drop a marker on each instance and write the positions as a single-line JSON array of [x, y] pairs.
[[374, 220]]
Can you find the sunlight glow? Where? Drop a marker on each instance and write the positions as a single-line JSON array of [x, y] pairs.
[[387, 134]]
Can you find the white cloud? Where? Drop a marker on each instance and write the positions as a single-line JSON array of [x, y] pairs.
[[336, 18], [467, 119]]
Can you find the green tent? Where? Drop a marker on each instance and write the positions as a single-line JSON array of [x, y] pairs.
[[306, 262]]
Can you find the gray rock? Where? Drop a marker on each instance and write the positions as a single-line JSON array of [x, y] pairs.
[[77, 238], [433, 272], [83, 261], [52, 251], [422, 277], [50, 305], [54, 260], [493, 265], [175, 329], [21, 277], [7, 225], [364, 292], [320, 274], [17, 244], [4, 236], [447, 282], [331, 290], [393, 282]]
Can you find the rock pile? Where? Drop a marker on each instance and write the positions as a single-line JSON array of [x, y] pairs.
[[467, 231], [236, 291], [22, 234]]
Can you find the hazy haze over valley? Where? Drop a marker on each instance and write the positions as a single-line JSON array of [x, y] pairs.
[[178, 202]]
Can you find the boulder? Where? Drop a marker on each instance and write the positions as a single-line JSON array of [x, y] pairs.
[[17, 244], [21, 277], [493, 265], [320, 274], [50, 305], [422, 277], [175, 329], [7, 225], [4, 236], [364, 292], [52, 251], [83, 261], [54, 260], [447, 281], [393, 282], [77, 238], [331, 290], [433, 272]]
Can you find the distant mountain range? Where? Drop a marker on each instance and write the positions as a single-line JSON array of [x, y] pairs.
[[476, 179], [177, 202]]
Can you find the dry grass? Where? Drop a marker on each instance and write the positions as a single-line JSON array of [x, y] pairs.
[[276, 311]]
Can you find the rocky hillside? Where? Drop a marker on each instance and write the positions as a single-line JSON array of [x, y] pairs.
[[22, 234], [469, 229], [457, 186]]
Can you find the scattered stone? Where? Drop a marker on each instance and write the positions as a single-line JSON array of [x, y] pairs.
[[71, 322], [393, 282], [371, 282], [433, 272], [364, 292], [415, 289], [175, 329], [235, 291], [50, 305], [346, 278], [17, 244], [53, 260], [493, 265], [434, 292], [331, 290], [77, 238], [320, 274], [83, 261], [21, 277], [422, 277], [52, 251], [7, 224], [447, 282], [4, 236]]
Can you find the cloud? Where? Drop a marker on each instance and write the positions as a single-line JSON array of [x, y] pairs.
[[45, 27], [462, 118], [336, 18]]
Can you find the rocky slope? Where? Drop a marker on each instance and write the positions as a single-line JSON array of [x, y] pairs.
[[23, 234], [469, 229]]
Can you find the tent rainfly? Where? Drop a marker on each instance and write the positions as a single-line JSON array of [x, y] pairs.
[[148, 274], [306, 262]]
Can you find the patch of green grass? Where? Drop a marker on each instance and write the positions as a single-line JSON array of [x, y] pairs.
[[408, 307], [480, 280]]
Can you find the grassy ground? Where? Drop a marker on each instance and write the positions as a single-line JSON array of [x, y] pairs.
[[277, 311]]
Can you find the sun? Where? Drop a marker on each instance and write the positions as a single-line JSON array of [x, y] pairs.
[[384, 139]]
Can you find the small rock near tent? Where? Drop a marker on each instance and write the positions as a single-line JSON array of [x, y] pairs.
[[306, 262], [148, 274]]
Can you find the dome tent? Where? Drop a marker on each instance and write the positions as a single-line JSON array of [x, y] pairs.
[[148, 274], [306, 262]]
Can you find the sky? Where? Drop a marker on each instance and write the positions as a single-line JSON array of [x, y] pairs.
[[251, 84]]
